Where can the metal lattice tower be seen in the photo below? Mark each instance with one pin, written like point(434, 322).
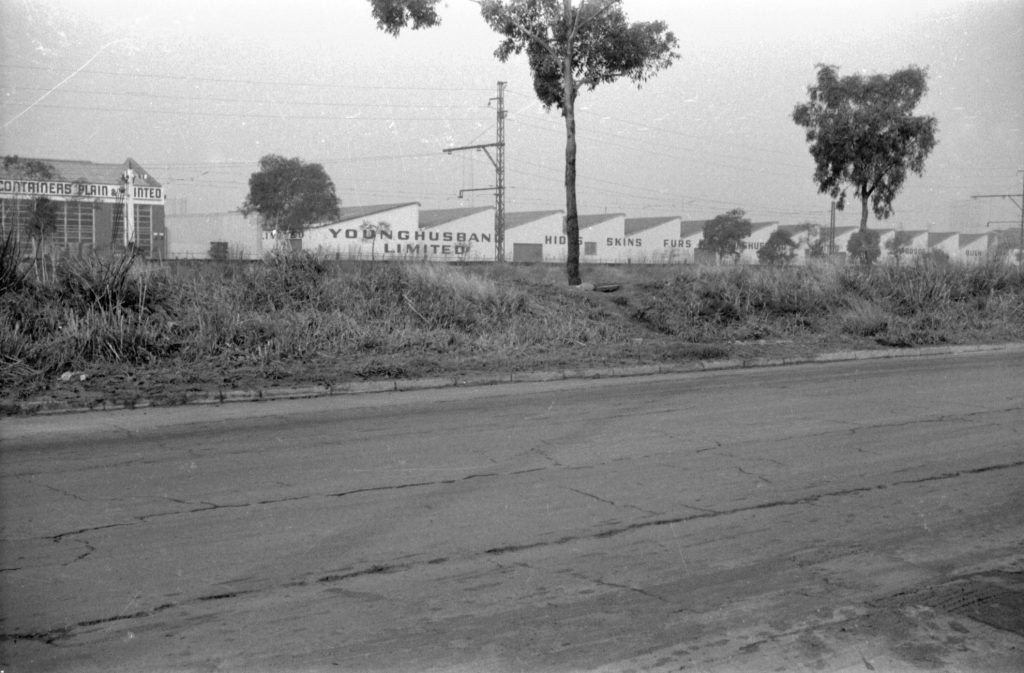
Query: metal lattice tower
point(498, 160)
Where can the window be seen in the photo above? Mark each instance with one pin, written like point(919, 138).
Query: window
point(14, 216)
point(144, 228)
point(76, 224)
point(590, 249)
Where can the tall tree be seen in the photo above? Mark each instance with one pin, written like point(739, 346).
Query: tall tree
point(724, 235)
point(863, 134)
point(570, 46)
point(290, 194)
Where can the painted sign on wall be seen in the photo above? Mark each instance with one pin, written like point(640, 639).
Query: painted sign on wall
point(78, 190)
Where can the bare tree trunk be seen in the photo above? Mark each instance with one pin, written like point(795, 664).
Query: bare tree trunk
point(863, 213)
point(572, 222)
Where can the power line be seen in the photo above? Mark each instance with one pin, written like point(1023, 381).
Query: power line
point(245, 115)
point(229, 80)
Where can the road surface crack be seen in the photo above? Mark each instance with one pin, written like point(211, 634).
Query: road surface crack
point(611, 502)
point(611, 532)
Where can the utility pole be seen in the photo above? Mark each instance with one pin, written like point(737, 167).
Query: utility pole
point(498, 160)
point(129, 207)
point(1020, 206)
point(832, 232)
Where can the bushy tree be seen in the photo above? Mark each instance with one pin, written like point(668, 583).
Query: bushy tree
point(290, 194)
point(863, 247)
point(724, 235)
point(897, 245)
point(863, 134)
point(780, 249)
point(570, 46)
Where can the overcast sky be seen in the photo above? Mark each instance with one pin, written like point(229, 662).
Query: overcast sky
point(198, 91)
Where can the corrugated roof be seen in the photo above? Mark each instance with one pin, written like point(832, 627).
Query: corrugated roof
point(967, 239)
point(797, 229)
point(937, 237)
point(635, 225)
point(433, 218)
point(518, 219)
point(87, 171)
point(689, 228)
point(356, 212)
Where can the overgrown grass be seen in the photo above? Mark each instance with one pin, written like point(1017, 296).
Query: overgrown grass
point(300, 318)
point(909, 305)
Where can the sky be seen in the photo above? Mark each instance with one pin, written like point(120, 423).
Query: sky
point(197, 92)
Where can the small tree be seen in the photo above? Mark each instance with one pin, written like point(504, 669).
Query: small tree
point(897, 245)
point(40, 214)
point(863, 134)
point(779, 250)
point(371, 230)
point(863, 247)
point(817, 241)
point(289, 195)
point(724, 235)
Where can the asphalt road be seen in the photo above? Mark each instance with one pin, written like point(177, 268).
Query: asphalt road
point(854, 516)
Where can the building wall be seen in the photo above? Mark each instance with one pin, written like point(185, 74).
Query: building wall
point(950, 245)
point(380, 235)
point(757, 239)
point(542, 231)
point(87, 225)
point(469, 238)
point(609, 243)
point(656, 244)
point(191, 236)
point(974, 250)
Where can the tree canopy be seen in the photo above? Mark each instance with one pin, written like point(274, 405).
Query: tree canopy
point(290, 194)
point(780, 249)
point(393, 15)
point(863, 246)
point(724, 235)
point(569, 46)
point(863, 134)
point(897, 245)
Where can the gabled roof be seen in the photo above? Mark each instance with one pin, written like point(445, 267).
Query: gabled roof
point(840, 231)
point(795, 230)
point(937, 237)
point(967, 239)
point(761, 226)
point(635, 225)
point(433, 218)
point(587, 221)
point(519, 219)
point(356, 212)
point(88, 171)
point(689, 228)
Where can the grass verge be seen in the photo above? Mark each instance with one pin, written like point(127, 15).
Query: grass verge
point(119, 329)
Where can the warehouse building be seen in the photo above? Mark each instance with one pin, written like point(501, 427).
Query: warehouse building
point(94, 207)
point(362, 232)
point(526, 233)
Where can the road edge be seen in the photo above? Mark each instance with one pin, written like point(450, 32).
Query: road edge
point(51, 407)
